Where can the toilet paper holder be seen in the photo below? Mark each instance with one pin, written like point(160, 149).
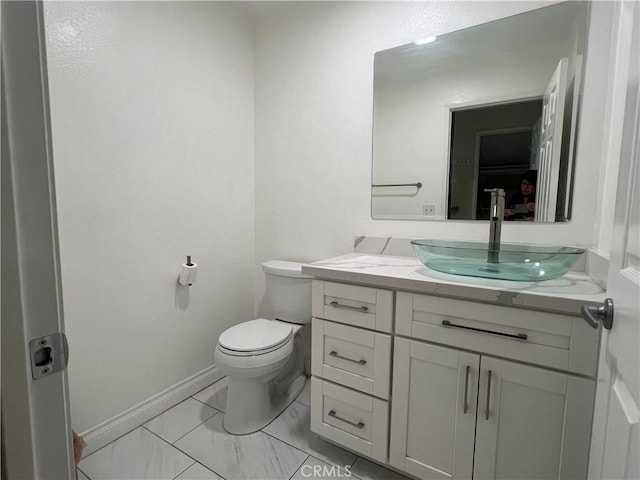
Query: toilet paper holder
point(188, 273)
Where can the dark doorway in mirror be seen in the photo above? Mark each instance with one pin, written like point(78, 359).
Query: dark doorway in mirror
point(492, 146)
point(504, 156)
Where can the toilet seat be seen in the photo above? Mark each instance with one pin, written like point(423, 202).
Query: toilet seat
point(255, 337)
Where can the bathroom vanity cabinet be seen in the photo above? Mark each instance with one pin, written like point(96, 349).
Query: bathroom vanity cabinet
point(463, 415)
point(504, 418)
point(442, 387)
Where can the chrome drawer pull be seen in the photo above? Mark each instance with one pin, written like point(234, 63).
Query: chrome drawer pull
point(486, 416)
point(332, 413)
point(519, 336)
point(466, 390)
point(337, 355)
point(349, 307)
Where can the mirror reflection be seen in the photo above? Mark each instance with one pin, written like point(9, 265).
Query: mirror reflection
point(491, 106)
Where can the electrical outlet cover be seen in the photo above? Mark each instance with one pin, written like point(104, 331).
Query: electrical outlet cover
point(429, 209)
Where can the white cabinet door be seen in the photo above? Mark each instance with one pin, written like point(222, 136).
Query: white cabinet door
point(433, 412)
point(532, 423)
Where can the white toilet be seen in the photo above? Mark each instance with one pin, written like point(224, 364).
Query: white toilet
point(263, 358)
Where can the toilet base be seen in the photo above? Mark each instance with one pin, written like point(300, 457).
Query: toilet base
point(256, 403)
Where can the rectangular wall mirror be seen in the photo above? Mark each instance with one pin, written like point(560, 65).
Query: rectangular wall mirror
point(494, 105)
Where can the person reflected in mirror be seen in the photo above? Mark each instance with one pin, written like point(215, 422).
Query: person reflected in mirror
point(522, 205)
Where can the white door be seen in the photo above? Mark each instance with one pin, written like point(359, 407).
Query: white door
point(433, 412)
point(615, 449)
point(550, 140)
point(36, 431)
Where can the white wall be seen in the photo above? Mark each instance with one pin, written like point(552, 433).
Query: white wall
point(153, 127)
point(314, 90)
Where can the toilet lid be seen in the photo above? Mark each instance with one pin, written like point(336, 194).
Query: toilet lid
point(255, 335)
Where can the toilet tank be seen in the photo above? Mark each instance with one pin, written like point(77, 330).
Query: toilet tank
point(288, 291)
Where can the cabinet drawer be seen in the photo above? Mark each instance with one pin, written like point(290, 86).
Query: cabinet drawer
point(365, 307)
point(352, 419)
point(552, 340)
point(357, 358)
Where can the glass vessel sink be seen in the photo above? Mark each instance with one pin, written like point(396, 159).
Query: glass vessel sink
point(519, 262)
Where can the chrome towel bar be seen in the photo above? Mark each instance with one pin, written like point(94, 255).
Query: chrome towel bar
point(417, 185)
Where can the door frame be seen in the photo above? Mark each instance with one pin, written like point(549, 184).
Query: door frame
point(449, 110)
point(36, 419)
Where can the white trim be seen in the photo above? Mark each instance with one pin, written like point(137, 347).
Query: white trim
point(495, 101)
point(115, 427)
point(35, 412)
point(626, 401)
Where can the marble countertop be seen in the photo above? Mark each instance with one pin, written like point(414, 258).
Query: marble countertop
point(561, 295)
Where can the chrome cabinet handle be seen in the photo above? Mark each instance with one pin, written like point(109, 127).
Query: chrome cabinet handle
point(603, 313)
point(486, 416)
point(518, 336)
point(337, 355)
point(349, 307)
point(466, 390)
point(360, 425)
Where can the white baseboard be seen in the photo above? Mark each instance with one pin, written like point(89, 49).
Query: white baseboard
point(109, 430)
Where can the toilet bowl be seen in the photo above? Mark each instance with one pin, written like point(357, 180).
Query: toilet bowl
point(263, 358)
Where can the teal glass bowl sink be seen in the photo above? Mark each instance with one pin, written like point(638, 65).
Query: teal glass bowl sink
point(517, 262)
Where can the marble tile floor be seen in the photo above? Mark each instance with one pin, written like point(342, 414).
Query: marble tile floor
point(187, 442)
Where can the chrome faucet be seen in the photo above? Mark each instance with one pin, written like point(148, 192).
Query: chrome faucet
point(496, 215)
